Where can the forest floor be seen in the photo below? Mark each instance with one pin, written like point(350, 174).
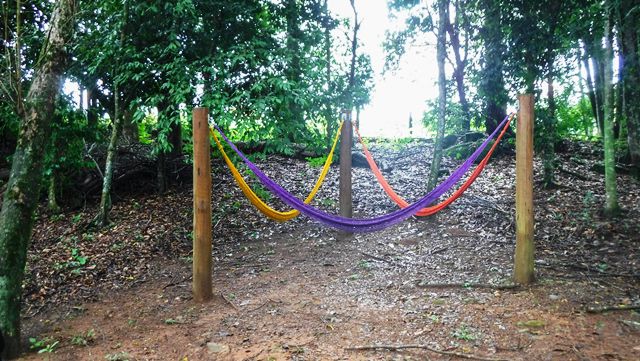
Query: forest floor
point(299, 291)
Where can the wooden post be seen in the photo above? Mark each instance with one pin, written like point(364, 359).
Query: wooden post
point(346, 207)
point(202, 238)
point(523, 271)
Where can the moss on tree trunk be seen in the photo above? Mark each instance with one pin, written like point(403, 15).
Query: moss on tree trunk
point(21, 197)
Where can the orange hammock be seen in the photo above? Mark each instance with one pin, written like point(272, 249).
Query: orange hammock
point(427, 211)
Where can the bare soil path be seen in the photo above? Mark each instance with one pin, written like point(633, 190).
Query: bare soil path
point(297, 291)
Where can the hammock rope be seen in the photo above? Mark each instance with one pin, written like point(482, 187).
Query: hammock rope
point(261, 205)
point(371, 224)
point(428, 211)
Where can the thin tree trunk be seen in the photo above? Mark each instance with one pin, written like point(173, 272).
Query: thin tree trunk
point(550, 132)
point(102, 219)
point(21, 197)
point(611, 191)
point(591, 91)
point(52, 200)
point(328, 115)
point(294, 69)
point(129, 127)
point(442, 94)
point(458, 74)
point(619, 96)
point(594, 52)
point(19, 100)
point(161, 170)
point(492, 88)
point(354, 55)
point(175, 138)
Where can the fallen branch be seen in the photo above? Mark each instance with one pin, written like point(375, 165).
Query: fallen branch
point(576, 174)
point(593, 271)
point(424, 347)
point(229, 302)
point(612, 308)
point(469, 285)
point(483, 202)
point(379, 258)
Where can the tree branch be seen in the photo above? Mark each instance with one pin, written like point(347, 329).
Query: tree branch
point(424, 347)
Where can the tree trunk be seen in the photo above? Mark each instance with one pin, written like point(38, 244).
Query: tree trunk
point(491, 87)
point(294, 69)
point(591, 91)
point(102, 219)
point(328, 108)
point(549, 155)
point(175, 138)
point(631, 81)
point(458, 73)
point(595, 53)
point(129, 127)
point(52, 200)
point(161, 173)
point(611, 191)
point(21, 197)
point(354, 56)
point(92, 109)
point(443, 5)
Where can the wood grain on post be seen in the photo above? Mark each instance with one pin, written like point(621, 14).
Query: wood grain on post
point(202, 237)
point(523, 271)
point(346, 206)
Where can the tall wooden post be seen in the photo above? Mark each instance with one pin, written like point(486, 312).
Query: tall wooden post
point(346, 207)
point(523, 271)
point(202, 238)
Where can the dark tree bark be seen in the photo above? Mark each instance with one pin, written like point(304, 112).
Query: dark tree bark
point(21, 197)
point(492, 86)
point(591, 90)
point(631, 78)
point(294, 70)
point(328, 108)
point(549, 124)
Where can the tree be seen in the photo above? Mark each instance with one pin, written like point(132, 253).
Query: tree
point(628, 24)
point(21, 197)
point(611, 192)
point(443, 19)
point(460, 53)
point(102, 218)
point(491, 83)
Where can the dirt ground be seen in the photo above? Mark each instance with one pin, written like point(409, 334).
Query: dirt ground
point(298, 291)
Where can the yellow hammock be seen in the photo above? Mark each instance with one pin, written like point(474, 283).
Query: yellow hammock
point(259, 203)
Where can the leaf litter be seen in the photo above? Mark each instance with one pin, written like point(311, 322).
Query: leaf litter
point(299, 291)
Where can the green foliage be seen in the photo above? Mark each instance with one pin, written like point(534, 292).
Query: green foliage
point(575, 121)
point(84, 339)
point(45, 345)
point(454, 115)
point(70, 132)
point(316, 162)
point(464, 333)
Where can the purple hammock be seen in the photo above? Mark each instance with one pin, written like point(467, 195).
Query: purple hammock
point(371, 224)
